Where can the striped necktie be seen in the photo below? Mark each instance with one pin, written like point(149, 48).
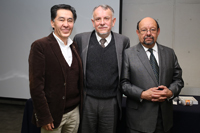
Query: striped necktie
point(154, 65)
point(102, 41)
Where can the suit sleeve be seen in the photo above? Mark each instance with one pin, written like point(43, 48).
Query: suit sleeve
point(127, 43)
point(129, 89)
point(37, 84)
point(74, 39)
point(177, 81)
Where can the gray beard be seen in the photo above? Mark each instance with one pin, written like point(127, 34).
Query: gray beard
point(150, 42)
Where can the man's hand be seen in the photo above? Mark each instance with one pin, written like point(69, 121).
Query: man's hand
point(147, 95)
point(49, 126)
point(157, 94)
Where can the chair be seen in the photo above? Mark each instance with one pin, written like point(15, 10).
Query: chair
point(27, 125)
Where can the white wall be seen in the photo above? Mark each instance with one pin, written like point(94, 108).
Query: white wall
point(179, 21)
point(24, 21)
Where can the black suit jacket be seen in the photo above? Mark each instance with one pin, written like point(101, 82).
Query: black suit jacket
point(138, 76)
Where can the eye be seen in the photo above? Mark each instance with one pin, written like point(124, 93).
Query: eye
point(106, 18)
point(97, 19)
point(70, 20)
point(143, 30)
point(153, 29)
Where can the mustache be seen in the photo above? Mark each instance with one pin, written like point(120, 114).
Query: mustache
point(150, 42)
point(103, 26)
point(148, 36)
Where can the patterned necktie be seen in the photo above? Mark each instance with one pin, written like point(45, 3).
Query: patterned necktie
point(102, 41)
point(154, 64)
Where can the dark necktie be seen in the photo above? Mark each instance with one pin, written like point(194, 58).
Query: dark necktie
point(102, 41)
point(154, 64)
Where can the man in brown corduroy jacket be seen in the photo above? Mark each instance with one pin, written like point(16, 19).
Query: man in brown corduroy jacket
point(56, 76)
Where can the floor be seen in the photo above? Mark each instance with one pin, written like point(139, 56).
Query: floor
point(11, 115)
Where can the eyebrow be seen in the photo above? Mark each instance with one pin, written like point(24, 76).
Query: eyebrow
point(64, 18)
point(147, 28)
point(103, 17)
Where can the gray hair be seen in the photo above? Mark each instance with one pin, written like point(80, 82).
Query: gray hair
point(105, 7)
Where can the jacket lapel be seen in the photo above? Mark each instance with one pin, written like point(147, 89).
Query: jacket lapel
point(74, 49)
point(145, 61)
point(57, 52)
point(161, 56)
point(85, 43)
point(118, 45)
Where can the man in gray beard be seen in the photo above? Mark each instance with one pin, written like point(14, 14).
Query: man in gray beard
point(151, 78)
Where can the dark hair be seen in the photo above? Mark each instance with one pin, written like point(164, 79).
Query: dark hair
point(55, 8)
point(140, 21)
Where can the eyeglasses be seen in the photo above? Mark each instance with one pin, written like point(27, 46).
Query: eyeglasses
point(152, 30)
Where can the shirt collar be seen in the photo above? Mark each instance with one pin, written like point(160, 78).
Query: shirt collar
point(61, 43)
point(108, 39)
point(155, 48)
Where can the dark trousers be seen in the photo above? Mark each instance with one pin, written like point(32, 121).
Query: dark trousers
point(99, 115)
point(128, 130)
point(159, 126)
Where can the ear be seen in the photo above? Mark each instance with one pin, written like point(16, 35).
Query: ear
point(52, 24)
point(113, 21)
point(138, 32)
point(93, 23)
point(158, 32)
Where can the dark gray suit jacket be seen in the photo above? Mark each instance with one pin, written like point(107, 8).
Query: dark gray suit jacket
point(121, 43)
point(138, 76)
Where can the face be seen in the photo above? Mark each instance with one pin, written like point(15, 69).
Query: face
point(148, 32)
point(63, 24)
point(103, 21)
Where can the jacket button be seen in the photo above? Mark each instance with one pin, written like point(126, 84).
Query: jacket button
point(64, 84)
point(63, 97)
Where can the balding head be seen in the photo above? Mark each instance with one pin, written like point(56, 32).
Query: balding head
point(148, 31)
point(147, 18)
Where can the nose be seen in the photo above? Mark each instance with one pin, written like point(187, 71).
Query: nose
point(102, 21)
point(148, 32)
point(65, 23)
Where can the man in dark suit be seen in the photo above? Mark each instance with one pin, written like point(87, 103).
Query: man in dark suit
point(102, 70)
point(150, 80)
point(56, 76)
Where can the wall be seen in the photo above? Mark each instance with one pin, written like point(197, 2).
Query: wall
point(24, 21)
point(179, 22)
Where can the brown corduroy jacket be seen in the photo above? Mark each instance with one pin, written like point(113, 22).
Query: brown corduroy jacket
point(47, 76)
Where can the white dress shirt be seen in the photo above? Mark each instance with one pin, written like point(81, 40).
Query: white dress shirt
point(108, 39)
point(65, 49)
point(155, 52)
